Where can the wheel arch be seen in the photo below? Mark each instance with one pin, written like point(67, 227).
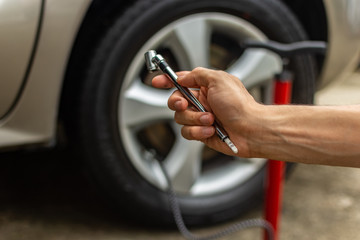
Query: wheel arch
point(97, 20)
point(312, 15)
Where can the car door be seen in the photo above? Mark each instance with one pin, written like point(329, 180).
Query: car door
point(19, 24)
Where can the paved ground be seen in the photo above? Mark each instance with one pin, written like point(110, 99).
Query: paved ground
point(41, 198)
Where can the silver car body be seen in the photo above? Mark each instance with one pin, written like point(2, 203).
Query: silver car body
point(36, 39)
point(29, 104)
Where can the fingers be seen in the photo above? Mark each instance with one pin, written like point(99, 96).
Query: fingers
point(177, 102)
point(189, 117)
point(197, 132)
point(197, 125)
point(162, 81)
point(199, 77)
point(186, 116)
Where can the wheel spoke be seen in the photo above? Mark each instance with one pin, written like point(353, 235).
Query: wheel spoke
point(184, 164)
point(255, 67)
point(142, 104)
point(190, 42)
point(229, 175)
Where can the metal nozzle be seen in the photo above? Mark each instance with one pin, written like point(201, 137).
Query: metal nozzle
point(149, 55)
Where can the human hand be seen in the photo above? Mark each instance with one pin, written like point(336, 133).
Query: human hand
point(225, 97)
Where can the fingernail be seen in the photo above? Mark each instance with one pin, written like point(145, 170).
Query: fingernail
point(205, 119)
point(178, 105)
point(207, 131)
point(179, 79)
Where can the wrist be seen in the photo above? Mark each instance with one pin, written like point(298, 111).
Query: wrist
point(263, 130)
point(252, 128)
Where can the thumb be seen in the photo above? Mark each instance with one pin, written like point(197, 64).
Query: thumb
point(199, 77)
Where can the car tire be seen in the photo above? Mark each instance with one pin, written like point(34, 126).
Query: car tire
point(100, 115)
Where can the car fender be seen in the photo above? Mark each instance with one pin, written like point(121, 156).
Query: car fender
point(33, 117)
point(343, 53)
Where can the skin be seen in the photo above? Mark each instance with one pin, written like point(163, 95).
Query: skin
point(327, 135)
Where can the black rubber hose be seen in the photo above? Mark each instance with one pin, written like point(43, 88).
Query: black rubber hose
point(290, 49)
point(175, 208)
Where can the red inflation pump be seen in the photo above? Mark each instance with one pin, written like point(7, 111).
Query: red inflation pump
point(276, 169)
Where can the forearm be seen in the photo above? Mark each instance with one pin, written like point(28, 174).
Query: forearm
point(309, 134)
